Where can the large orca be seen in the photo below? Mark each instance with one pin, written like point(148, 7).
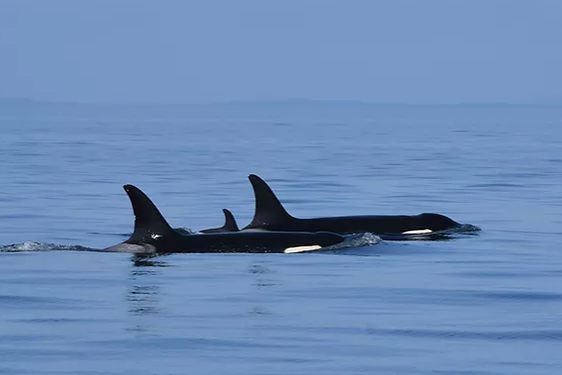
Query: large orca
point(230, 224)
point(153, 235)
point(271, 215)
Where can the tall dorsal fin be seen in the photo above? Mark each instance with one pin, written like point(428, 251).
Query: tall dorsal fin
point(268, 208)
point(148, 220)
point(229, 224)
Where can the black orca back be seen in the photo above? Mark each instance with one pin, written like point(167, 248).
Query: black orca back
point(271, 215)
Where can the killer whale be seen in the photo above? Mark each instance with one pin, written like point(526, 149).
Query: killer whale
point(271, 215)
point(153, 235)
point(230, 224)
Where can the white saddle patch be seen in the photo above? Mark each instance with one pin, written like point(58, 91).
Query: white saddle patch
point(301, 249)
point(418, 231)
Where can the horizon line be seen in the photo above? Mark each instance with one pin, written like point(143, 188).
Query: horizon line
point(278, 101)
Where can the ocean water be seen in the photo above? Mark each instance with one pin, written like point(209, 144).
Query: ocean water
point(489, 303)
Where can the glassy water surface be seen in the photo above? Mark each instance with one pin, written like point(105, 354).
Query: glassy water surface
point(484, 304)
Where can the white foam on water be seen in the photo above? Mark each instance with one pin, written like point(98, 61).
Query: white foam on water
point(38, 246)
point(183, 230)
point(356, 240)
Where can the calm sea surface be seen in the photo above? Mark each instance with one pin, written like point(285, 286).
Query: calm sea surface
point(489, 303)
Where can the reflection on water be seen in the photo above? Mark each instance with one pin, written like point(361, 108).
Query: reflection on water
point(264, 283)
point(148, 261)
point(144, 296)
point(144, 299)
point(262, 274)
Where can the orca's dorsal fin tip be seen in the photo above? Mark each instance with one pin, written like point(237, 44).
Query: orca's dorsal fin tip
point(254, 177)
point(132, 190)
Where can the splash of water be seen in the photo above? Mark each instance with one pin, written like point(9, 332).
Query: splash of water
point(356, 240)
point(39, 246)
point(182, 230)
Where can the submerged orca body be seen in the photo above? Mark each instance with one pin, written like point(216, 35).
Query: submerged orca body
point(230, 224)
point(153, 235)
point(271, 215)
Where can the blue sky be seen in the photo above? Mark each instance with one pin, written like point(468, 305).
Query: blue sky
point(127, 51)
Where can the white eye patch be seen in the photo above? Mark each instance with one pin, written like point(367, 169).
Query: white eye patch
point(301, 249)
point(418, 231)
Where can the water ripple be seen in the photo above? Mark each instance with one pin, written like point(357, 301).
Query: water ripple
point(548, 335)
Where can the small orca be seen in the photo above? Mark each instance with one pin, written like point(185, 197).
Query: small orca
point(230, 224)
point(271, 215)
point(153, 235)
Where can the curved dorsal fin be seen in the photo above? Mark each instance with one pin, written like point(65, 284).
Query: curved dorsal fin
point(230, 224)
point(148, 220)
point(269, 209)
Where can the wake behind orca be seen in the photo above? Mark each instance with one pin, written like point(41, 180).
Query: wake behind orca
point(271, 215)
point(153, 235)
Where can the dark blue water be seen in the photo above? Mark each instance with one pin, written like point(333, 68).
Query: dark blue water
point(482, 304)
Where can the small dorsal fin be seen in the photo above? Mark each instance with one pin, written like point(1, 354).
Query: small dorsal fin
point(148, 220)
point(269, 209)
point(230, 224)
